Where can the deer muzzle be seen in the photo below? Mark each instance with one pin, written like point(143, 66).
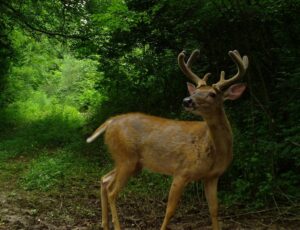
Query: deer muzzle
point(188, 103)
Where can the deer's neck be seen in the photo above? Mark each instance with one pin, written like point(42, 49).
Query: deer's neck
point(220, 132)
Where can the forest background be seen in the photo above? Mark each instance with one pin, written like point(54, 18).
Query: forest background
point(68, 65)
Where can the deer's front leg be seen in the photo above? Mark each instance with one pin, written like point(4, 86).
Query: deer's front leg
point(176, 190)
point(211, 187)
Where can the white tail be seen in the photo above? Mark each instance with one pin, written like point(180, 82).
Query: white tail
point(98, 131)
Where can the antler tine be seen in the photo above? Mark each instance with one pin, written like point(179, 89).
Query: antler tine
point(195, 54)
point(241, 64)
point(186, 68)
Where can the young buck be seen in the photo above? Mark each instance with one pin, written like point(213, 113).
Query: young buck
point(186, 150)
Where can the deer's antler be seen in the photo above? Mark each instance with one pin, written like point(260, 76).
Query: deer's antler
point(241, 64)
point(186, 68)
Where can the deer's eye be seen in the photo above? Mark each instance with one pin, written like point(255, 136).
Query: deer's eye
point(211, 94)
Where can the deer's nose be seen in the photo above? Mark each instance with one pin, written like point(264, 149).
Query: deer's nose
point(187, 102)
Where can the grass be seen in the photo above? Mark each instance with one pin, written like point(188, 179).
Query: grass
point(57, 169)
point(50, 169)
point(60, 186)
point(61, 169)
point(49, 187)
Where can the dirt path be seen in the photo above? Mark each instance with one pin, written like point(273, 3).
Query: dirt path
point(30, 211)
point(77, 207)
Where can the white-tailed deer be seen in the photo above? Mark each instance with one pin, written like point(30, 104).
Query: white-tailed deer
point(186, 150)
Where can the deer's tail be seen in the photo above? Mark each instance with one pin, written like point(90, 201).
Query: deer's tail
point(98, 131)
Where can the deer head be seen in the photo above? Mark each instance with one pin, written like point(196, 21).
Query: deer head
point(205, 100)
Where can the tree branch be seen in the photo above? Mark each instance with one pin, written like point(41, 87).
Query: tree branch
point(23, 21)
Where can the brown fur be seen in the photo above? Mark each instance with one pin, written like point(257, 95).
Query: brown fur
point(166, 146)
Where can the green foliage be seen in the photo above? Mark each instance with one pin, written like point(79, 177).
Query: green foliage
point(113, 15)
point(46, 172)
point(10, 148)
point(265, 120)
point(55, 171)
point(53, 95)
point(49, 92)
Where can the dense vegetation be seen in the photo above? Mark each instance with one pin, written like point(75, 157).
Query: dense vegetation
point(66, 66)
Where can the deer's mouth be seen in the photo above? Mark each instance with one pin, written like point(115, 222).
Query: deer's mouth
point(189, 108)
point(196, 106)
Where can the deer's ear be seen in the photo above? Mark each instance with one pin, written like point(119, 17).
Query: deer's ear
point(191, 88)
point(234, 91)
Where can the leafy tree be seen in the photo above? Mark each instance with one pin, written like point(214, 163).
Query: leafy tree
point(48, 90)
point(111, 57)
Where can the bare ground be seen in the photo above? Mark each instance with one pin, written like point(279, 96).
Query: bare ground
point(78, 208)
point(28, 210)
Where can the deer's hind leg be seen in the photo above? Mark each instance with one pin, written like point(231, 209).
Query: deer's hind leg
point(106, 181)
point(122, 174)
